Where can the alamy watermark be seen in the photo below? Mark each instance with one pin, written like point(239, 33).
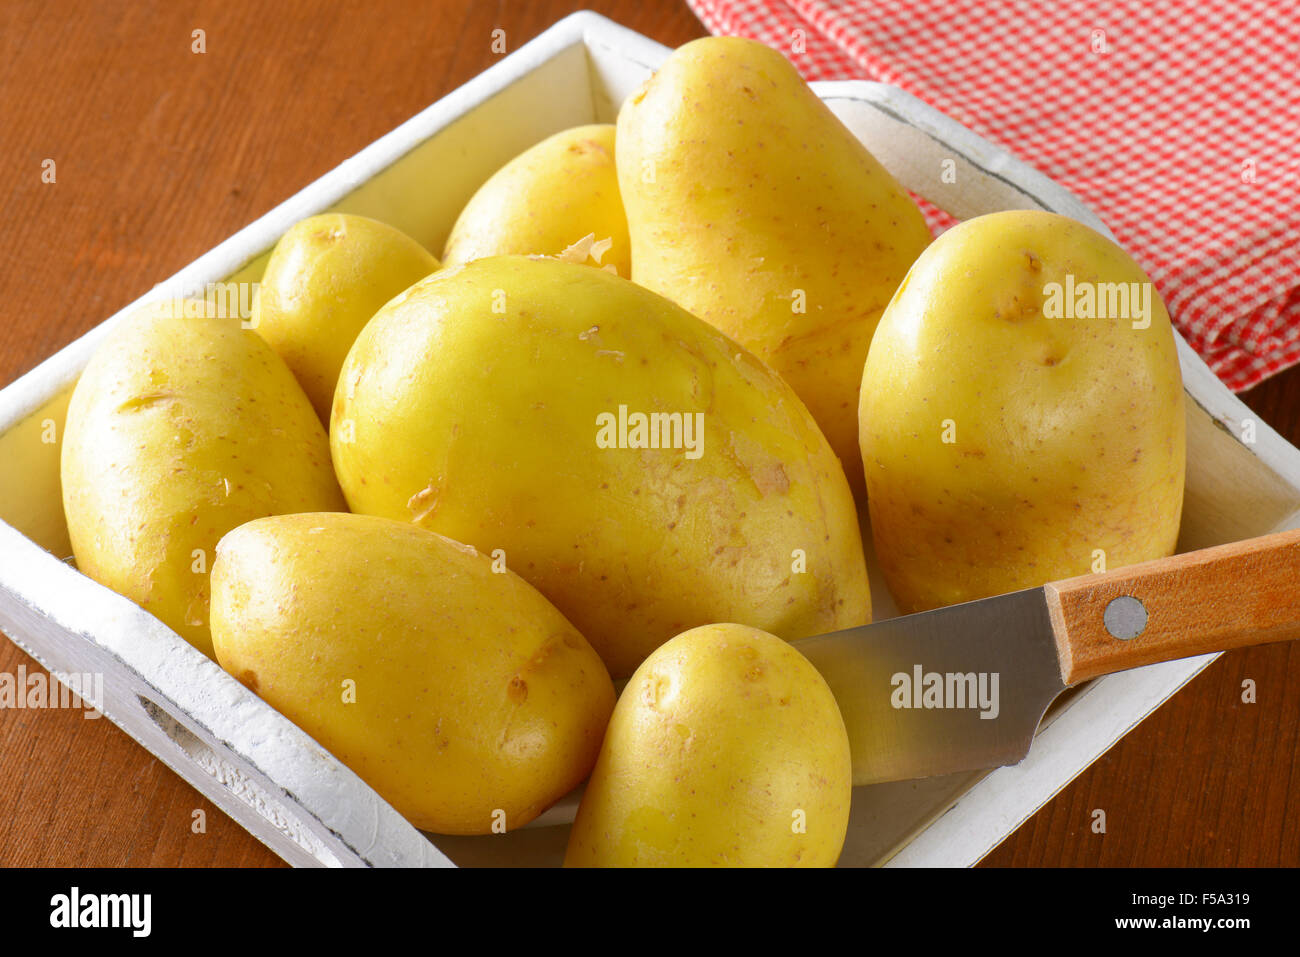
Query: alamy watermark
point(133, 912)
point(214, 300)
point(651, 430)
point(946, 690)
point(1098, 300)
point(56, 690)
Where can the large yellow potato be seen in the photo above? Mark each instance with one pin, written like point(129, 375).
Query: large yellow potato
point(457, 692)
point(180, 429)
point(494, 403)
point(750, 204)
point(326, 277)
point(547, 199)
point(1005, 447)
point(726, 749)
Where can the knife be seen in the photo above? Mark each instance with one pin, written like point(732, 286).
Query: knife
point(964, 687)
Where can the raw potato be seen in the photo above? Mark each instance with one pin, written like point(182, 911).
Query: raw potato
point(546, 199)
point(458, 693)
point(751, 205)
point(726, 749)
point(473, 405)
point(180, 429)
point(1004, 449)
point(326, 277)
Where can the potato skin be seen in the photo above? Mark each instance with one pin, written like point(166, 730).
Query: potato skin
point(1070, 432)
point(482, 425)
point(179, 430)
point(766, 217)
point(326, 277)
point(718, 740)
point(472, 694)
point(545, 200)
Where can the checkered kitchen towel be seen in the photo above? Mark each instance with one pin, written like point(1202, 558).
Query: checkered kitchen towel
point(1177, 122)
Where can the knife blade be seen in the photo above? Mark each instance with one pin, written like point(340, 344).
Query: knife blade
point(964, 687)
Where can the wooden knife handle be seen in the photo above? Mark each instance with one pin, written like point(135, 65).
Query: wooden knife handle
point(1229, 596)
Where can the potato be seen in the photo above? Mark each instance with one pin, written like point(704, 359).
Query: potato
point(179, 430)
point(752, 206)
point(726, 749)
point(497, 404)
point(326, 277)
point(1005, 447)
point(546, 199)
point(459, 694)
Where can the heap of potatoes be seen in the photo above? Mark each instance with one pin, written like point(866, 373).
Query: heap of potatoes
point(420, 508)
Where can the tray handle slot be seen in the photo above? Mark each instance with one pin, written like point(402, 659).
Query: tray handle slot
point(238, 784)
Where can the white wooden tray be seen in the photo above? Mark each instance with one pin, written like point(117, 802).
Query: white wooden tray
point(306, 806)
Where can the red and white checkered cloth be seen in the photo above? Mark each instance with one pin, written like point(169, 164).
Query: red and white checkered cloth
point(1176, 122)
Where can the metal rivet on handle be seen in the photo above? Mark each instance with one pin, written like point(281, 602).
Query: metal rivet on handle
point(1125, 617)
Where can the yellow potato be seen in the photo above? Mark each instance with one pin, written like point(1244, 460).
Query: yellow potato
point(546, 199)
point(726, 749)
point(326, 277)
point(458, 693)
point(1005, 447)
point(751, 205)
point(180, 429)
point(496, 403)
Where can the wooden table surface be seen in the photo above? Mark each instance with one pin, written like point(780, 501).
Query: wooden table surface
point(162, 152)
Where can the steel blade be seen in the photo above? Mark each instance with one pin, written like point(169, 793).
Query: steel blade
point(999, 651)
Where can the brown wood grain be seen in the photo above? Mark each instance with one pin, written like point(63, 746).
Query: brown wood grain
point(161, 153)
